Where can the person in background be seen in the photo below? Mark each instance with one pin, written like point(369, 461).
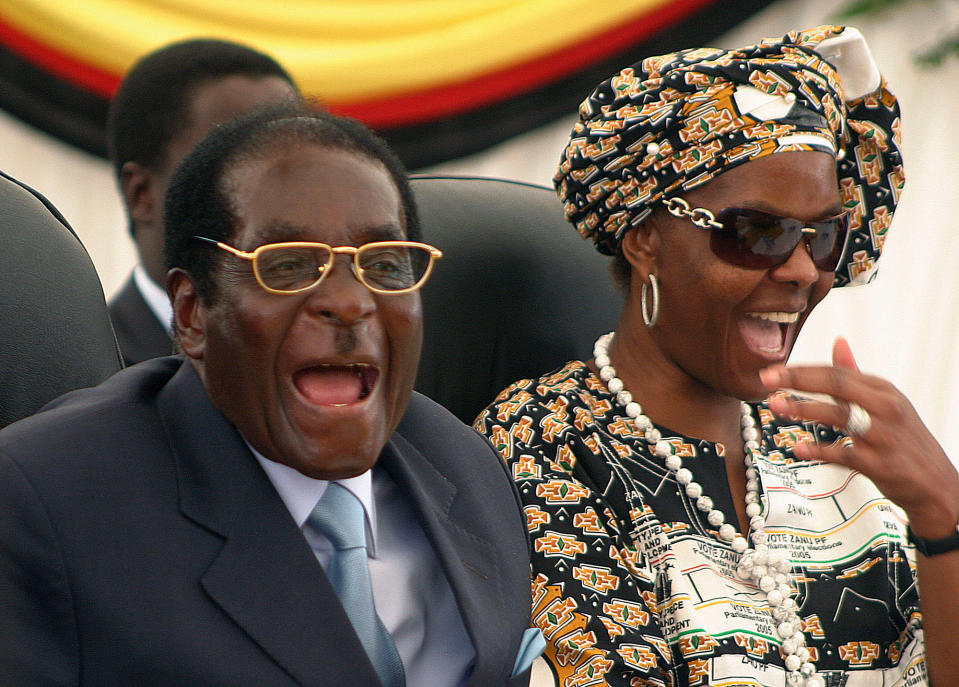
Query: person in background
point(275, 507)
point(167, 102)
point(700, 513)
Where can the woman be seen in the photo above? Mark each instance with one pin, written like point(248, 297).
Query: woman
point(685, 531)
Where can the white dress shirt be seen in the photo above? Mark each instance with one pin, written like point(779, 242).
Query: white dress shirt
point(412, 595)
point(155, 297)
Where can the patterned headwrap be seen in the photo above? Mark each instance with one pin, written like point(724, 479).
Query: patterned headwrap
point(671, 123)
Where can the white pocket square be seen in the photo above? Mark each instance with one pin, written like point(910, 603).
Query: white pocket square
point(530, 648)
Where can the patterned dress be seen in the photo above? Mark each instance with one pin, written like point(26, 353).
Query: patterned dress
point(632, 586)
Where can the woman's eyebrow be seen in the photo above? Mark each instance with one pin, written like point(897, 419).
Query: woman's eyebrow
point(765, 206)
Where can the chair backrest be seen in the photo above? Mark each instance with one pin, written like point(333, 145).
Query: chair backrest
point(55, 334)
point(517, 294)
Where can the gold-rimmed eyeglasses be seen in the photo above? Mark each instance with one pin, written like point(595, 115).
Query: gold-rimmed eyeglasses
point(385, 267)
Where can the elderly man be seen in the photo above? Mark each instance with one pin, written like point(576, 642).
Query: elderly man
point(167, 102)
point(185, 523)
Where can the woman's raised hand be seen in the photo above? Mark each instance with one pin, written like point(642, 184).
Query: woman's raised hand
point(892, 447)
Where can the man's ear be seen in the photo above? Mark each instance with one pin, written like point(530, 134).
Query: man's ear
point(641, 246)
point(189, 314)
point(138, 185)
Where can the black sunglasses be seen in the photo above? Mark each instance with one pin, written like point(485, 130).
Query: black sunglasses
point(760, 240)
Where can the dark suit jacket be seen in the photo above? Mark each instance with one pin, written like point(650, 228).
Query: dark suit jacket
point(142, 544)
point(140, 334)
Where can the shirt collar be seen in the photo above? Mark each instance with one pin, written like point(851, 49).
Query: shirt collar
point(301, 493)
point(155, 297)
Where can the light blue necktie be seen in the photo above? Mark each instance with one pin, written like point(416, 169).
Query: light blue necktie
point(339, 515)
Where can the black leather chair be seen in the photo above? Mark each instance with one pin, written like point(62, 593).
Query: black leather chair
point(517, 294)
point(55, 334)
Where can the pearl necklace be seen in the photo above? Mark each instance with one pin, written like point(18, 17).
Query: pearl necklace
point(766, 568)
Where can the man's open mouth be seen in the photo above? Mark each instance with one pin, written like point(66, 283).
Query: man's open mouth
point(336, 385)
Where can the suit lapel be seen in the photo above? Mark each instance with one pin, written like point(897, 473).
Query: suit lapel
point(468, 560)
point(265, 576)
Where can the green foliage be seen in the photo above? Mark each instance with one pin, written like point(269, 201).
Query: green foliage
point(931, 56)
point(939, 52)
point(858, 8)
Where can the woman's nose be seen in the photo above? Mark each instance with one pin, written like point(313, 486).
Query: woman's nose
point(799, 268)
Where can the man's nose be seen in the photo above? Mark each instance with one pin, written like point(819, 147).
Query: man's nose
point(341, 296)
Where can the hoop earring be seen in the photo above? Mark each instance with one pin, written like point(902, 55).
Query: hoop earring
point(649, 318)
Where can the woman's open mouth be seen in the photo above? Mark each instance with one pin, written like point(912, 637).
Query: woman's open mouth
point(765, 333)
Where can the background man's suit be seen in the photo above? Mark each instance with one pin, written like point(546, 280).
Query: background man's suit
point(140, 334)
point(142, 544)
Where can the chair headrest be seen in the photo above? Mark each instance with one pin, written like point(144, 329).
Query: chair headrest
point(517, 293)
point(55, 333)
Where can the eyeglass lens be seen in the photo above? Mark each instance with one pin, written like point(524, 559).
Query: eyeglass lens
point(760, 240)
point(383, 267)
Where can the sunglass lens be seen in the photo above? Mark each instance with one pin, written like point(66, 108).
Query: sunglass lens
point(760, 240)
point(754, 239)
point(292, 269)
point(829, 243)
